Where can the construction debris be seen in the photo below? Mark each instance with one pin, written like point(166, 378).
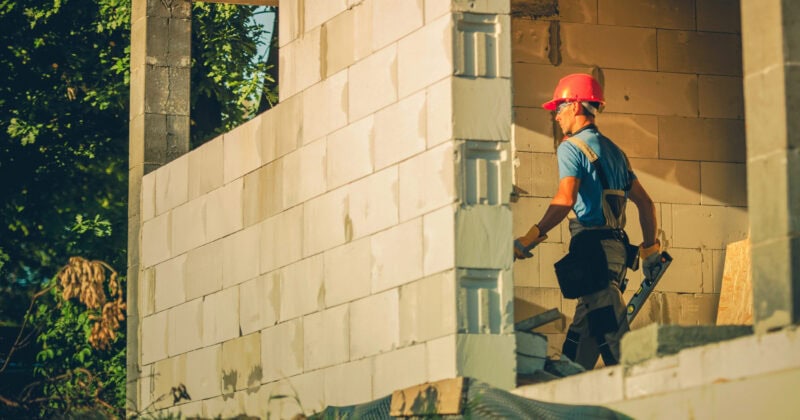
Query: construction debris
point(531, 352)
point(538, 320)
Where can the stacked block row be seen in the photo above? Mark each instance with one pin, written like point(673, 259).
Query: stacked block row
point(312, 251)
point(672, 77)
point(710, 380)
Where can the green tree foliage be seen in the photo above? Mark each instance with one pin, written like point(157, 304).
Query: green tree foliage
point(64, 91)
point(64, 69)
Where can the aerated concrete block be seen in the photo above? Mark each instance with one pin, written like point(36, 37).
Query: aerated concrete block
point(189, 225)
point(374, 324)
point(169, 283)
point(397, 255)
point(472, 98)
point(281, 239)
point(721, 97)
point(427, 308)
point(204, 373)
point(440, 112)
point(425, 56)
point(317, 12)
point(400, 130)
point(700, 52)
point(638, 135)
point(224, 210)
point(660, 340)
point(185, 327)
point(399, 369)
point(241, 152)
point(156, 244)
point(670, 14)
point(376, 84)
point(259, 302)
point(441, 354)
point(348, 272)
point(349, 383)
point(240, 253)
point(325, 223)
point(204, 270)
point(483, 237)
point(393, 19)
point(206, 168)
point(303, 173)
point(282, 350)
point(374, 202)
point(481, 6)
point(301, 288)
point(349, 152)
point(326, 338)
point(488, 358)
point(427, 181)
point(619, 47)
point(220, 316)
point(438, 231)
point(325, 107)
point(154, 338)
point(241, 363)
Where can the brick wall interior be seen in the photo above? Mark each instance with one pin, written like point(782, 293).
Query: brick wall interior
point(310, 251)
point(672, 75)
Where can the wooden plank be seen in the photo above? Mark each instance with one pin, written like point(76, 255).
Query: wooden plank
point(736, 294)
point(443, 397)
point(246, 2)
point(538, 320)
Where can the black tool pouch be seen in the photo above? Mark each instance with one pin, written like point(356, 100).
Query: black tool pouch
point(584, 270)
point(632, 256)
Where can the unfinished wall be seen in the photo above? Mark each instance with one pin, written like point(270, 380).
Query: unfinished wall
point(672, 75)
point(351, 241)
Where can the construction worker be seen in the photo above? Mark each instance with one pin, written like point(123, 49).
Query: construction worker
point(595, 181)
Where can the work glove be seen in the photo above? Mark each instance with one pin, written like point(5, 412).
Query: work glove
point(524, 244)
point(651, 259)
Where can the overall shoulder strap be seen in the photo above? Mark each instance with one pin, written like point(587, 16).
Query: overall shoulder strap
point(592, 156)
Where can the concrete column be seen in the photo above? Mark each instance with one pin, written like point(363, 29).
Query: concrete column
point(482, 138)
point(159, 126)
point(771, 53)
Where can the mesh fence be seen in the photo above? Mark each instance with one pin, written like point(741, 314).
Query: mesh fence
point(483, 402)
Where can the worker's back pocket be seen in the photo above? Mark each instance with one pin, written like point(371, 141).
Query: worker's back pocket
point(584, 270)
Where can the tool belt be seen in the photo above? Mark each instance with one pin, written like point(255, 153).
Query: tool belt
point(584, 269)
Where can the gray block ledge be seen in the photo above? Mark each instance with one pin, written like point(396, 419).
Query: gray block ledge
point(662, 340)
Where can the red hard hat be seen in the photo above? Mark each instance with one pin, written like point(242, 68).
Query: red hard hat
point(578, 87)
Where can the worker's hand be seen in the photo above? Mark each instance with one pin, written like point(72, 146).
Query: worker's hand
point(651, 257)
point(524, 244)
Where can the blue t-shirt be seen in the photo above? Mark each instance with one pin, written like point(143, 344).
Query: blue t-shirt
point(572, 162)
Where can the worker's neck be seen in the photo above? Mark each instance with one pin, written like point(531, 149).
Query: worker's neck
point(581, 122)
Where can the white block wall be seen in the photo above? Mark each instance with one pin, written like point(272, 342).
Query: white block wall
point(325, 248)
point(672, 76)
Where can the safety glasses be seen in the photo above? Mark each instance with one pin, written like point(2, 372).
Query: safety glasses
point(562, 106)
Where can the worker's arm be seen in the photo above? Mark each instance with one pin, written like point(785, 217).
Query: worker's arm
point(561, 205)
point(647, 213)
point(559, 209)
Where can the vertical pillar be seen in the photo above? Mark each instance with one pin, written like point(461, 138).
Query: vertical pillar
point(771, 53)
point(483, 237)
point(159, 127)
